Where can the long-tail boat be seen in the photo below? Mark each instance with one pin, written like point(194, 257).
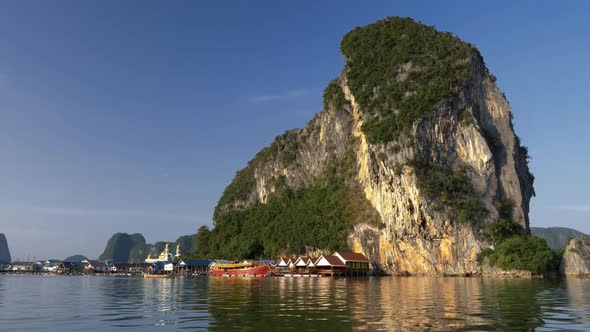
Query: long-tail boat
point(240, 269)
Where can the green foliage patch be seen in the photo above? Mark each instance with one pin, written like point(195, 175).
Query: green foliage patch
point(333, 95)
point(516, 250)
point(285, 147)
point(574, 250)
point(449, 189)
point(529, 253)
point(466, 118)
point(399, 70)
point(500, 230)
point(319, 216)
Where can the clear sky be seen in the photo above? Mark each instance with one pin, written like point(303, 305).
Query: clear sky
point(133, 116)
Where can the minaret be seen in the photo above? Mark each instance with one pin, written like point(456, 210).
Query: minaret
point(177, 250)
point(167, 252)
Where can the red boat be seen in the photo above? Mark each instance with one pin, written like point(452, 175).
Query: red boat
point(239, 269)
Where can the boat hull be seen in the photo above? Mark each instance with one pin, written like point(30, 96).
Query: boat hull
point(249, 271)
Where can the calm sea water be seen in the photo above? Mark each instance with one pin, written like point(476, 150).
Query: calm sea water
point(71, 303)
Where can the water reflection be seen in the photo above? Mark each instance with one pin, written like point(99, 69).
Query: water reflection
point(306, 304)
point(2, 291)
point(309, 304)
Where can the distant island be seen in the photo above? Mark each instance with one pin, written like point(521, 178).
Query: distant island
point(4, 251)
point(556, 237)
point(132, 248)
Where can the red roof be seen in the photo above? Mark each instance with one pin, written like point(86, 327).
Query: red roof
point(333, 260)
point(350, 256)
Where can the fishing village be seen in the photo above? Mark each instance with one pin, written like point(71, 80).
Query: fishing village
point(169, 265)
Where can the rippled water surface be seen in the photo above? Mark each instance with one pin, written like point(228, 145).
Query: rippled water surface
point(30, 302)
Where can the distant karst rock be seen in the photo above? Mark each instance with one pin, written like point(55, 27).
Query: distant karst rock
point(4, 251)
point(123, 247)
point(576, 258)
point(132, 248)
point(76, 258)
point(556, 237)
point(187, 243)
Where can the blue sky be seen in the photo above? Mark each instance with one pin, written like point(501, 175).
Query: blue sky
point(133, 116)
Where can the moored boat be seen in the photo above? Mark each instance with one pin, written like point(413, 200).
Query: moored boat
point(239, 269)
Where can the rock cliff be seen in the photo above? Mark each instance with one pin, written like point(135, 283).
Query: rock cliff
point(4, 251)
point(576, 258)
point(426, 139)
point(132, 248)
point(556, 237)
point(123, 248)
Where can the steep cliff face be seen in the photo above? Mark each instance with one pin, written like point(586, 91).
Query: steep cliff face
point(4, 251)
point(419, 237)
point(576, 258)
point(430, 140)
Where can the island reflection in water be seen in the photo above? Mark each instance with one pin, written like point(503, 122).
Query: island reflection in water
point(30, 302)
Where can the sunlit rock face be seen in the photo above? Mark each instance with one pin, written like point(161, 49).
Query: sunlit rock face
point(576, 258)
point(418, 239)
point(471, 130)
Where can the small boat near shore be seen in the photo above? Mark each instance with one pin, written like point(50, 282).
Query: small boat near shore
point(240, 269)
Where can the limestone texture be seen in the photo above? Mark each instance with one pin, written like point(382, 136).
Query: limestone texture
point(576, 258)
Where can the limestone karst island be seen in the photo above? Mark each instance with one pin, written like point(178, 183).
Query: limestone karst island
point(413, 165)
point(405, 201)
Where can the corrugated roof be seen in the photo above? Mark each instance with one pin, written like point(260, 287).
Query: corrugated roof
point(350, 256)
point(333, 260)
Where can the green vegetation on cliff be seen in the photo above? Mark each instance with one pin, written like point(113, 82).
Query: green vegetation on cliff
point(242, 186)
point(187, 243)
point(449, 190)
point(514, 249)
point(333, 95)
point(399, 70)
point(203, 243)
point(320, 216)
